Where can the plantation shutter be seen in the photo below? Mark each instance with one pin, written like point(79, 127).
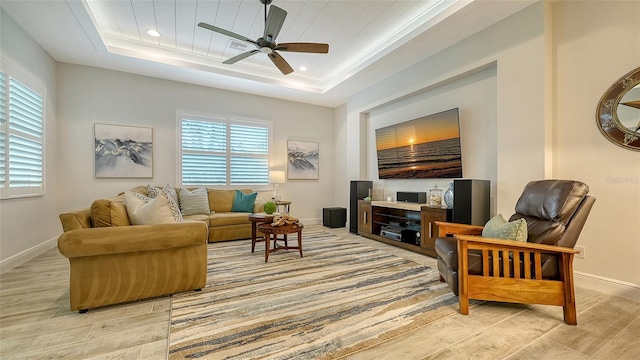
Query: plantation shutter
point(21, 139)
point(249, 155)
point(223, 152)
point(3, 124)
point(204, 149)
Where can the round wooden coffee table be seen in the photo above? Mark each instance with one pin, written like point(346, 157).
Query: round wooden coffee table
point(255, 220)
point(273, 232)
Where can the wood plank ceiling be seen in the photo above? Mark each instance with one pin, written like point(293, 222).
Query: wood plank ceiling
point(356, 30)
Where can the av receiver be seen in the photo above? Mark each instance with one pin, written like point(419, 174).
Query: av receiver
point(391, 232)
point(412, 197)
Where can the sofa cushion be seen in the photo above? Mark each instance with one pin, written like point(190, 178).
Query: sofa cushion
point(143, 210)
point(222, 200)
point(194, 202)
point(107, 213)
point(229, 218)
point(243, 202)
point(498, 228)
point(198, 217)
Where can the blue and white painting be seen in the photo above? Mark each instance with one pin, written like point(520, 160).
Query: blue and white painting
point(303, 160)
point(123, 151)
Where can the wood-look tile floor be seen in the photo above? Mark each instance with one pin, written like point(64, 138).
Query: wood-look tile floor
point(35, 323)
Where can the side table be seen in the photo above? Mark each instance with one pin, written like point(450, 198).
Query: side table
point(286, 206)
point(255, 220)
point(273, 231)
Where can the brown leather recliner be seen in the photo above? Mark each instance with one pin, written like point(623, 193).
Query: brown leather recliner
point(510, 271)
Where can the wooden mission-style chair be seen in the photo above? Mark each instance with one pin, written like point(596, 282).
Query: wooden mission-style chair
point(539, 271)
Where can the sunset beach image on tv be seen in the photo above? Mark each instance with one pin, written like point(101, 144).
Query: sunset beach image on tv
point(426, 147)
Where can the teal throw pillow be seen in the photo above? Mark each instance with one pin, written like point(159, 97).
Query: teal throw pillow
point(499, 228)
point(243, 202)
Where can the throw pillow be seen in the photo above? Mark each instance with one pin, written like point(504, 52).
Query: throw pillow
point(171, 194)
point(108, 213)
point(194, 202)
point(499, 228)
point(143, 210)
point(243, 202)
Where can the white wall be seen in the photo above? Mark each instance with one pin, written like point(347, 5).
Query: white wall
point(90, 95)
point(27, 223)
point(518, 93)
point(475, 97)
point(553, 61)
point(596, 43)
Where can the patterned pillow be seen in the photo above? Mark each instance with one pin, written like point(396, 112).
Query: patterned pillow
point(194, 202)
point(171, 192)
point(143, 210)
point(499, 228)
point(243, 202)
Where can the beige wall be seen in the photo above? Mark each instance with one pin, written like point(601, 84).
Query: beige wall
point(90, 95)
point(30, 224)
point(553, 61)
point(596, 43)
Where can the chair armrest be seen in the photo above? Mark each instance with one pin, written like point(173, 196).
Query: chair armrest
point(496, 253)
point(479, 243)
point(449, 228)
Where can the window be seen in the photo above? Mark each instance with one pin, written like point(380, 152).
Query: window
point(223, 151)
point(21, 138)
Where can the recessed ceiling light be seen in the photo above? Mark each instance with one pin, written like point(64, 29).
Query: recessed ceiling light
point(153, 33)
point(303, 68)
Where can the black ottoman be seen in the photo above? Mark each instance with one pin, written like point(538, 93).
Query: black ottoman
point(334, 217)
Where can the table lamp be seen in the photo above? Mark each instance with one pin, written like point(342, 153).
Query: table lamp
point(276, 177)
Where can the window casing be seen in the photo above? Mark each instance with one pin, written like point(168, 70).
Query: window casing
point(222, 151)
point(21, 136)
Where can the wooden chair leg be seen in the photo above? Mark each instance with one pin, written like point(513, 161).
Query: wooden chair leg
point(463, 271)
point(569, 307)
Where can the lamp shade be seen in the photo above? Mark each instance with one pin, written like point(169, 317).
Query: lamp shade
point(276, 177)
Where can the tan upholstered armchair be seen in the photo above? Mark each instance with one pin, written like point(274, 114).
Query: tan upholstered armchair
point(539, 271)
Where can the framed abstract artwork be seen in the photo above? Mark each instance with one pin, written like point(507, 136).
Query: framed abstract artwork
point(303, 160)
point(123, 151)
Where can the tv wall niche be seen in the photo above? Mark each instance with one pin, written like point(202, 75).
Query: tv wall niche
point(424, 148)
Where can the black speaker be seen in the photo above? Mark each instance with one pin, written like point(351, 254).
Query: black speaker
point(471, 201)
point(359, 191)
point(334, 217)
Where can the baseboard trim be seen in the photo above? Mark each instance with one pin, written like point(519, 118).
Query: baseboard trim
point(26, 255)
point(311, 221)
point(607, 285)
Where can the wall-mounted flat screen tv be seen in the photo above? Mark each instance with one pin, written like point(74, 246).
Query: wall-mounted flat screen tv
point(422, 148)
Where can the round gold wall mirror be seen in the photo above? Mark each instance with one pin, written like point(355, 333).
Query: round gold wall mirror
point(618, 113)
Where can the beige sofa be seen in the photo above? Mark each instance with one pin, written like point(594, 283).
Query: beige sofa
point(113, 261)
point(111, 265)
point(223, 224)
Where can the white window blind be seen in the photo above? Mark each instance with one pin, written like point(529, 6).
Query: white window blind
point(219, 151)
point(3, 126)
point(21, 139)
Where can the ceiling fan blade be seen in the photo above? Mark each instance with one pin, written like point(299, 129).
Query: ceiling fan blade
point(281, 63)
point(304, 47)
point(239, 57)
point(275, 19)
point(226, 32)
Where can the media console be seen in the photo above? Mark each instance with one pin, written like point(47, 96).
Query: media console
point(409, 226)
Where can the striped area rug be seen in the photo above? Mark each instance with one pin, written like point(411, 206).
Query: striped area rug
point(339, 298)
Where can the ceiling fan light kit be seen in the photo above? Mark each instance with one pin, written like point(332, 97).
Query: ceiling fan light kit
point(267, 43)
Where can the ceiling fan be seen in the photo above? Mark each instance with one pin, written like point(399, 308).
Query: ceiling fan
point(267, 43)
